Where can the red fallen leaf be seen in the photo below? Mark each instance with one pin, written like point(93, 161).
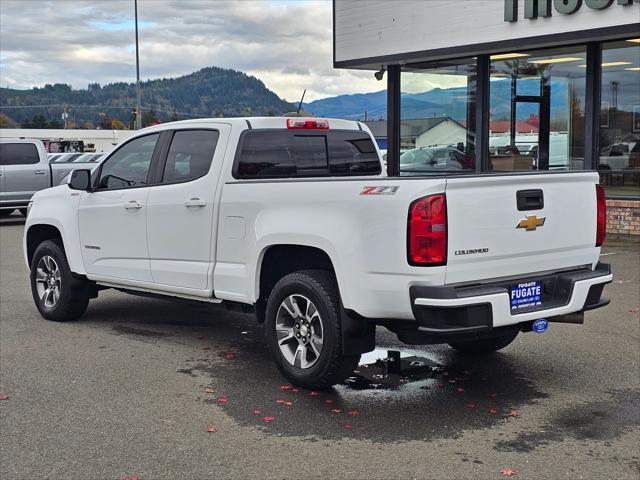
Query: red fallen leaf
point(229, 356)
point(212, 429)
point(257, 411)
point(4, 397)
point(206, 348)
point(336, 410)
point(492, 410)
point(633, 310)
point(279, 401)
point(513, 413)
point(313, 393)
point(201, 337)
point(328, 402)
point(133, 478)
point(348, 426)
point(223, 400)
point(508, 472)
point(269, 419)
point(460, 389)
point(353, 413)
point(209, 390)
point(471, 405)
point(284, 387)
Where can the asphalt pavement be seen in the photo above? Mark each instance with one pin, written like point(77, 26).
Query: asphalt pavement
point(132, 388)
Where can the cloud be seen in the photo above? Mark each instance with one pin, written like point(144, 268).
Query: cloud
point(286, 44)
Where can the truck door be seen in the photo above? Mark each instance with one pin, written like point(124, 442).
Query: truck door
point(23, 172)
point(182, 208)
point(113, 217)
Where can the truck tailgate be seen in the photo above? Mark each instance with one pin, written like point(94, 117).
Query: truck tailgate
point(489, 237)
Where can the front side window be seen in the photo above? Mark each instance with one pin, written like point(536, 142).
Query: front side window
point(18, 154)
point(437, 118)
point(129, 165)
point(619, 156)
point(282, 154)
point(190, 155)
point(537, 110)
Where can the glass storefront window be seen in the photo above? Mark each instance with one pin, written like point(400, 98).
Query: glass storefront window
point(619, 159)
point(536, 111)
point(437, 118)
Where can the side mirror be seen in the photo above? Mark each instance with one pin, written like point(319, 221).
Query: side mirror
point(80, 180)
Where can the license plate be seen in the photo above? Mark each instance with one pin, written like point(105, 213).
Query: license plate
point(528, 294)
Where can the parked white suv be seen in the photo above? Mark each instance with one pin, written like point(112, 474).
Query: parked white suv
point(293, 218)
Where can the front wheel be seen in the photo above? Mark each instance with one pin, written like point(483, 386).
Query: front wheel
point(303, 330)
point(485, 346)
point(57, 294)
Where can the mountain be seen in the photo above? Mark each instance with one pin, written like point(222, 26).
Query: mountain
point(441, 101)
point(210, 92)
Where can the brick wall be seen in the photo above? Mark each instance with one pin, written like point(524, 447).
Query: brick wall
point(623, 217)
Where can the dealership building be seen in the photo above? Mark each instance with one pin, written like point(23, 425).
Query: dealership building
point(525, 85)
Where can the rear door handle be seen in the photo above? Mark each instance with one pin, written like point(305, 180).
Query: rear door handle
point(529, 200)
point(195, 202)
point(132, 205)
point(39, 172)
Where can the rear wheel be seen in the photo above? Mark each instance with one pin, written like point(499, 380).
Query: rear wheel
point(57, 294)
point(303, 330)
point(485, 346)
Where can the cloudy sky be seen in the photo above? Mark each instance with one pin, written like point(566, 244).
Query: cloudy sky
point(285, 43)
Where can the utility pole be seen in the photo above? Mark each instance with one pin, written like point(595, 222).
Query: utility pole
point(138, 106)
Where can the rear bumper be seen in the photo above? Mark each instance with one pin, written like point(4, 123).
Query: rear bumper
point(453, 310)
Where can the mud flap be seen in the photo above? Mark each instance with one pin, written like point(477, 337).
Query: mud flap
point(358, 334)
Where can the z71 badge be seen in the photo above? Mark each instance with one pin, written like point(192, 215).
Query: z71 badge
point(380, 190)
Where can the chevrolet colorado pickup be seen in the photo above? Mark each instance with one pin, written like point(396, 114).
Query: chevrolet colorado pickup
point(293, 219)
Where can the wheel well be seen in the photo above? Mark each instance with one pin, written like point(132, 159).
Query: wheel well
point(38, 234)
point(280, 260)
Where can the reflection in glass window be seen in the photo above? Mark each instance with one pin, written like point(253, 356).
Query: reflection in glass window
point(537, 105)
point(437, 117)
point(619, 140)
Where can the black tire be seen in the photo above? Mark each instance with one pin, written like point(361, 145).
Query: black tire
point(331, 366)
point(73, 298)
point(5, 213)
point(23, 211)
point(485, 346)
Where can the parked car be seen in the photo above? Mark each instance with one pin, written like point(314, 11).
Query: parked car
point(433, 159)
point(292, 218)
point(25, 168)
point(66, 157)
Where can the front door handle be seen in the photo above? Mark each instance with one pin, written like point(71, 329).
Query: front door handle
point(195, 202)
point(132, 205)
point(39, 172)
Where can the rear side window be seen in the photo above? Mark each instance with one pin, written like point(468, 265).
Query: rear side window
point(282, 154)
point(190, 155)
point(18, 154)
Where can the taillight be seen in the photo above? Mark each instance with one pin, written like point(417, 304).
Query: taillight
point(601, 230)
point(427, 231)
point(300, 124)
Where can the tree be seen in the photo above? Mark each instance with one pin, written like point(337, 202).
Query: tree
point(149, 118)
point(7, 122)
point(38, 121)
point(118, 125)
point(55, 124)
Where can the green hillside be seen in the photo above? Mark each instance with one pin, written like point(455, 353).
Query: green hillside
point(210, 92)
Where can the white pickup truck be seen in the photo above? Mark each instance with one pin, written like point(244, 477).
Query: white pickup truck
point(293, 218)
